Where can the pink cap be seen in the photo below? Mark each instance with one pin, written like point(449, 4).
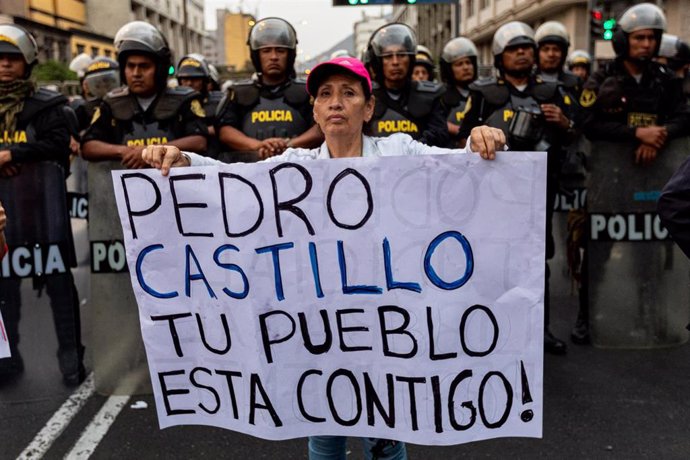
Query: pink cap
point(339, 65)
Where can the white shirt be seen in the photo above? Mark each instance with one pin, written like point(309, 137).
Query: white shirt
point(395, 144)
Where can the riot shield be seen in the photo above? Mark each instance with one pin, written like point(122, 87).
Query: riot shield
point(119, 358)
point(41, 252)
point(638, 291)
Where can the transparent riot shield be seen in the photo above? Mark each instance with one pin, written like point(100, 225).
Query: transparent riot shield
point(119, 358)
point(638, 278)
point(39, 261)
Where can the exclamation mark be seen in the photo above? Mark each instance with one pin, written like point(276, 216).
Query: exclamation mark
point(526, 415)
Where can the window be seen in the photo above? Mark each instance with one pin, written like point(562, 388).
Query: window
point(80, 48)
point(94, 51)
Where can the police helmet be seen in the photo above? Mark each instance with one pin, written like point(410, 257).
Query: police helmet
point(425, 58)
point(102, 76)
point(273, 33)
point(214, 76)
point(17, 40)
point(675, 50)
point(579, 57)
point(193, 66)
point(397, 35)
point(455, 49)
point(79, 64)
point(511, 34)
point(553, 32)
point(139, 37)
point(638, 17)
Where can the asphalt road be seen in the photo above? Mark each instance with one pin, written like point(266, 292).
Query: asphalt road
point(598, 403)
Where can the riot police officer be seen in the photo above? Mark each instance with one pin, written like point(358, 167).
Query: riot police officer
point(553, 42)
point(638, 104)
point(634, 98)
point(675, 54)
point(101, 76)
point(34, 129)
point(458, 70)
point(579, 62)
point(195, 72)
point(145, 111)
point(403, 105)
point(531, 112)
point(424, 67)
point(272, 112)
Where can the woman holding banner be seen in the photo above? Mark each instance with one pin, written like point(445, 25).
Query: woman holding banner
point(343, 105)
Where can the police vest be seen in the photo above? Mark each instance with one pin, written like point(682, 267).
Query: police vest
point(25, 131)
point(410, 116)
point(456, 104)
point(268, 115)
point(211, 104)
point(136, 130)
point(497, 96)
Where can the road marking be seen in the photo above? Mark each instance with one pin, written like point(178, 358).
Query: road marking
point(59, 421)
point(97, 429)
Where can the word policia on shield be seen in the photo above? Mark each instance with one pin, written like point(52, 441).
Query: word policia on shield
point(397, 297)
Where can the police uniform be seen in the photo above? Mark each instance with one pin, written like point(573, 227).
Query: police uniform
point(261, 111)
point(456, 104)
point(416, 111)
point(615, 104)
point(42, 134)
point(210, 104)
point(119, 119)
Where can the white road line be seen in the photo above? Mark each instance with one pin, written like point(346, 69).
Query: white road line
point(97, 429)
point(59, 421)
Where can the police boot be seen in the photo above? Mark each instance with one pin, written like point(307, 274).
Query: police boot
point(71, 365)
point(553, 344)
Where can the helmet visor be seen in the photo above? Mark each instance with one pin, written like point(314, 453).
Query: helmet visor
point(272, 33)
point(394, 39)
point(101, 83)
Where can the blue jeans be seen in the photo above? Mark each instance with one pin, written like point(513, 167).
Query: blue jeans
point(333, 448)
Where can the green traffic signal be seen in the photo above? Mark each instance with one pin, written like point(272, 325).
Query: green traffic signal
point(171, 70)
point(608, 34)
point(609, 24)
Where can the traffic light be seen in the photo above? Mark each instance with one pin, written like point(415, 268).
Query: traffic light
point(609, 25)
point(351, 2)
point(596, 24)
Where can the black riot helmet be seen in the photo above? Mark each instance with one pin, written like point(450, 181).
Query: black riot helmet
point(396, 36)
point(139, 37)
point(511, 34)
point(455, 49)
point(17, 40)
point(273, 33)
point(675, 50)
point(193, 66)
point(101, 77)
point(556, 33)
point(639, 17)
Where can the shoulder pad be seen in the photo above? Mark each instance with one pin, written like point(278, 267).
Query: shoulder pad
point(246, 94)
point(169, 103)
point(493, 90)
point(41, 100)
point(296, 94)
point(486, 81)
point(117, 92)
point(122, 106)
point(243, 82)
point(544, 91)
point(427, 87)
point(212, 102)
point(76, 103)
point(451, 97)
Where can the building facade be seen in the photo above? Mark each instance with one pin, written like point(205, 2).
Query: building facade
point(232, 30)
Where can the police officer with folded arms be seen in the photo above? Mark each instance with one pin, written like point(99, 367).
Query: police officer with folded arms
point(195, 72)
point(145, 111)
point(633, 98)
point(272, 112)
point(531, 113)
point(34, 129)
point(458, 70)
point(404, 105)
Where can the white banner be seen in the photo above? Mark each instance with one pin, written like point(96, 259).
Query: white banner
point(4, 341)
point(393, 297)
